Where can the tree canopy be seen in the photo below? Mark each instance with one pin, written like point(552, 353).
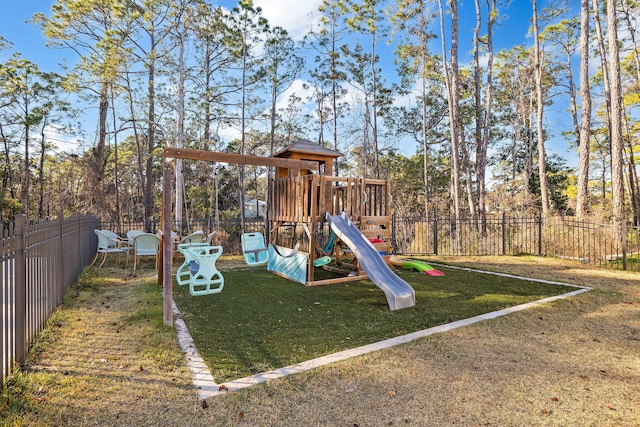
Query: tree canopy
point(369, 79)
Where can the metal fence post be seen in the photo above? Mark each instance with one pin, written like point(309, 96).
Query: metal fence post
point(21, 289)
point(435, 233)
point(540, 234)
point(393, 230)
point(59, 262)
point(504, 233)
point(623, 231)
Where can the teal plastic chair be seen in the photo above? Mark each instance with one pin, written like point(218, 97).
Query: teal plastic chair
point(145, 244)
point(205, 279)
point(254, 250)
point(131, 234)
point(195, 237)
point(107, 244)
point(209, 238)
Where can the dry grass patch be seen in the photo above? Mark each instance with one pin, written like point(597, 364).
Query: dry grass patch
point(571, 362)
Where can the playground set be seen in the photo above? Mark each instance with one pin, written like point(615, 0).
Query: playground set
point(314, 220)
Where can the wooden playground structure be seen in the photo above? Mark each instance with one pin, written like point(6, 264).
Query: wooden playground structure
point(301, 196)
point(300, 205)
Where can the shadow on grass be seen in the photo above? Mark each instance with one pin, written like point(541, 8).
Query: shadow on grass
point(262, 321)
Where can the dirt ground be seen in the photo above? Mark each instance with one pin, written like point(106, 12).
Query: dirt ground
point(573, 362)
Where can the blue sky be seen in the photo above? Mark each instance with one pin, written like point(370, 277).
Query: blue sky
point(294, 15)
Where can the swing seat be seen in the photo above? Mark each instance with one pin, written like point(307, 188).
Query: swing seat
point(204, 277)
point(183, 275)
point(254, 250)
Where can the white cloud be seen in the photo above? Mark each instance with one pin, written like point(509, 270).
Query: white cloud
point(295, 16)
point(299, 88)
point(63, 140)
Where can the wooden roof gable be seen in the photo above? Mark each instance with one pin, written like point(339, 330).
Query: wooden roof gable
point(307, 147)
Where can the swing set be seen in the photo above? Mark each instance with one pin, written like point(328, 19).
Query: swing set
point(301, 200)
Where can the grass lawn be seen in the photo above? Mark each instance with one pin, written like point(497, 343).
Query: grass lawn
point(261, 321)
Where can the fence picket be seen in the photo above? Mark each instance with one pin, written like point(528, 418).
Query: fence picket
point(40, 261)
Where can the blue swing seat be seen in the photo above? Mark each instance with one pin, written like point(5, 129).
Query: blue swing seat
point(183, 275)
point(204, 277)
point(254, 250)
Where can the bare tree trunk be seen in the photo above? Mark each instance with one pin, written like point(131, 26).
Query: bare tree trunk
point(151, 116)
point(477, 74)
point(528, 168)
point(633, 176)
point(243, 121)
point(582, 197)
point(26, 175)
point(116, 178)
point(481, 155)
point(635, 49)
point(425, 145)
point(41, 170)
point(7, 159)
point(179, 173)
point(542, 165)
point(451, 79)
point(466, 165)
point(97, 169)
point(617, 146)
point(634, 191)
point(603, 61)
point(137, 138)
point(374, 108)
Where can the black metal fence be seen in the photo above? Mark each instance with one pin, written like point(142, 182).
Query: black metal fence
point(40, 261)
point(560, 237)
point(227, 234)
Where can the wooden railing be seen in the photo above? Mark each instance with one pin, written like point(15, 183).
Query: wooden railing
point(306, 199)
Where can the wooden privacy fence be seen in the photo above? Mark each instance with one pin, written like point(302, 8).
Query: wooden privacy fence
point(40, 261)
point(560, 237)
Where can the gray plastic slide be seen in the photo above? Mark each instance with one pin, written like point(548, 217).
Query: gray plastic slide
point(398, 292)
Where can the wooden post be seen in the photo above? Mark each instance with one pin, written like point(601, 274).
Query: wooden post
point(167, 282)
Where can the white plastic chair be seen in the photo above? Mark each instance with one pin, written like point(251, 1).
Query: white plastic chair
point(108, 245)
point(145, 244)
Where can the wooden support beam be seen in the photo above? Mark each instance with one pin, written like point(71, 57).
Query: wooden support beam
point(337, 280)
point(167, 279)
point(239, 159)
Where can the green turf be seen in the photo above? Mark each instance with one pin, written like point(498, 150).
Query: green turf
point(262, 321)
